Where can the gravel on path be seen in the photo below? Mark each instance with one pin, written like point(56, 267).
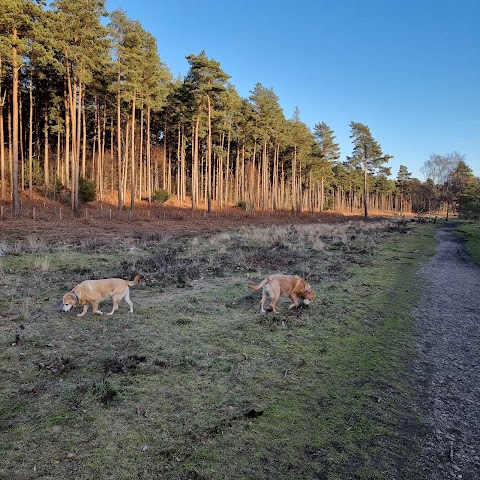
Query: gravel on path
point(448, 322)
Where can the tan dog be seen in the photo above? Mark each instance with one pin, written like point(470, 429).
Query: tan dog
point(95, 291)
point(291, 285)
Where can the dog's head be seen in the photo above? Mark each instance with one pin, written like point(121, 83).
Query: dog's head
point(70, 299)
point(308, 295)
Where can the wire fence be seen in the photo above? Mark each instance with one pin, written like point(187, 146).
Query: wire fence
point(144, 213)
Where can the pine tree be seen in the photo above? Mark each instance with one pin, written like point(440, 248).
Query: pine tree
point(17, 23)
point(268, 120)
point(81, 44)
point(326, 154)
point(301, 144)
point(367, 153)
point(205, 80)
point(464, 189)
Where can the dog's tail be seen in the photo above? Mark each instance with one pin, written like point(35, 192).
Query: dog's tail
point(259, 286)
point(133, 282)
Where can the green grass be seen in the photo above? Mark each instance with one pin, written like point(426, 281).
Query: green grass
point(222, 391)
point(470, 233)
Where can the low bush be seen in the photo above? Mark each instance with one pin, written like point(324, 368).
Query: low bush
point(86, 190)
point(160, 196)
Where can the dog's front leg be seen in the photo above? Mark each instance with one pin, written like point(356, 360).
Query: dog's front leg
point(114, 308)
point(294, 299)
point(95, 308)
point(85, 308)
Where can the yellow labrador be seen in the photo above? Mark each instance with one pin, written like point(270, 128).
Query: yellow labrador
point(292, 286)
point(95, 291)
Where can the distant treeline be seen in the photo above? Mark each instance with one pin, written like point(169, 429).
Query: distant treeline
point(88, 101)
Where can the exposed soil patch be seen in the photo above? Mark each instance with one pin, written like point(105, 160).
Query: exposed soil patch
point(448, 320)
point(123, 363)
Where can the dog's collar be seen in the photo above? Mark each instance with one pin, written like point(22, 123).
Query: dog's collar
point(75, 295)
point(305, 292)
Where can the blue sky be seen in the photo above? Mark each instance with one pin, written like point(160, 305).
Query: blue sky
point(409, 70)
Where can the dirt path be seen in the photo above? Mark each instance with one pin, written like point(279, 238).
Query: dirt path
point(448, 320)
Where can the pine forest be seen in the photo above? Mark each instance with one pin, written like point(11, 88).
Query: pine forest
point(89, 111)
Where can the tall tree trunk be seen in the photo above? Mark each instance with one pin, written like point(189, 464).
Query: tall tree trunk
point(237, 177)
point(169, 172)
point(125, 162)
point(209, 158)
point(84, 137)
point(275, 178)
point(365, 199)
point(102, 156)
point(132, 158)
point(10, 141)
point(294, 179)
point(220, 177)
point(265, 177)
point(21, 154)
point(227, 168)
point(97, 148)
point(183, 163)
point(164, 159)
point(2, 140)
point(149, 157)
point(30, 138)
point(112, 142)
point(14, 145)
point(119, 149)
point(59, 171)
point(179, 162)
point(46, 158)
point(72, 99)
point(322, 193)
point(140, 172)
point(66, 157)
point(243, 179)
point(195, 170)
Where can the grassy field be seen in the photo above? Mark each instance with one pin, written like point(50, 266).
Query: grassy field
point(197, 383)
point(470, 232)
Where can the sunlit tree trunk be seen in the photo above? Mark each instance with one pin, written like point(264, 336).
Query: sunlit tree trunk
point(119, 148)
point(132, 157)
point(209, 158)
point(140, 171)
point(14, 144)
point(149, 157)
point(2, 140)
point(227, 169)
point(84, 136)
point(46, 157)
point(30, 138)
point(195, 169)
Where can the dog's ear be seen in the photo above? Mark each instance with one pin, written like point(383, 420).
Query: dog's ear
point(71, 298)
